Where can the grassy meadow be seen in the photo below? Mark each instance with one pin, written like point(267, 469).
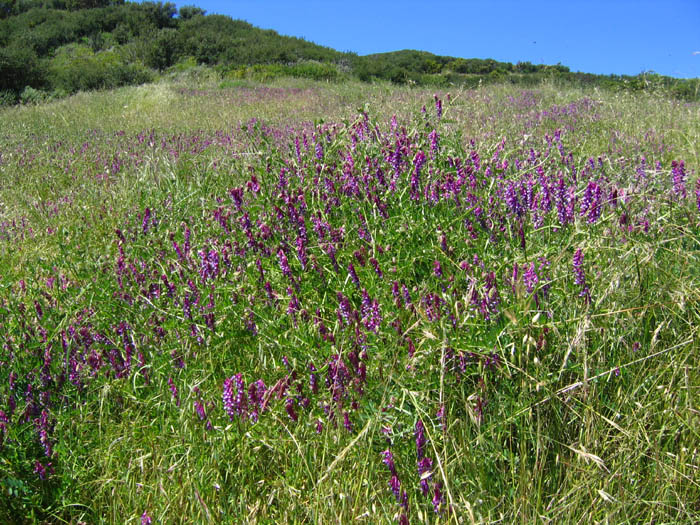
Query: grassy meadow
point(301, 302)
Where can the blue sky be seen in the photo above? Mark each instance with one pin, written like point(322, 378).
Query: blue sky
point(594, 36)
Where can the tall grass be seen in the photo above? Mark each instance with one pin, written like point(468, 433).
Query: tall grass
point(311, 303)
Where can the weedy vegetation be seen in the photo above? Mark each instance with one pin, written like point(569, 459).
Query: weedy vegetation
point(302, 302)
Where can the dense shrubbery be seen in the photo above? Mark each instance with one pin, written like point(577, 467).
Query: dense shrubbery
point(128, 39)
point(77, 68)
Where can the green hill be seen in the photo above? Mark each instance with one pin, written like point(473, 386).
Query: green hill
point(57, 47)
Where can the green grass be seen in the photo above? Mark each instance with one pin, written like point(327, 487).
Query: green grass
point(559, 409)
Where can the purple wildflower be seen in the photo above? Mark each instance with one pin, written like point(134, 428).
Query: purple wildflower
point(353, 275)
point(313, 379)
point(406, 295)
point(418, 162)
point(530, 278)
point(301, 252)
point(186, 246)
point(39, 311)
point(331, 251)
point(388, 460)
point(396, 293)
point(592, 202)
point(437, 497)
point(579, 275)
point(437, 268)
point(145, 519)
point(146, 220)
point(375, 264)
point(420, 439)
point(371, 314)
point(511, 198)
point(411, 348)
point(345, 310)
point(284, 264)
point(173, 391)
point(289, 407)
point(438, 106)
point(434, 138)
point(199, 409)
point(395, 486)
point(424, 471)
point(441, 416)
point(229, 405)
point(40, 470)
point(679, 176)
point(256, 399)
point(209, 267)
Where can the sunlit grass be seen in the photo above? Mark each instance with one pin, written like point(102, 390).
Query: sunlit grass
point(540, 401)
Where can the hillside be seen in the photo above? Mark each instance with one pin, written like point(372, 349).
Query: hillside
point(58, 47)
point(474, 307)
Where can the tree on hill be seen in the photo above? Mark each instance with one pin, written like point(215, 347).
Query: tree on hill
point(190, 11)
point(74, 5)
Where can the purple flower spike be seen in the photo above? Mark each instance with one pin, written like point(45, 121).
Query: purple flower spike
point(146, 220)
point(395, 486)
point(437, 268)
point(388, 460)
point(173, 391)
point(418, 162)
point(200, 410)
point(406, 295)
point(579, 275)
point(289, 407)
point(40, 470)
point(145, 519)
point(371, 314)
point(425, 466)
point(353, 275)
point(284, 264)
point(420, 439)
point(679, 176)
point(438, 106)
point(375, 264)
point(434, 138)
point(437, 497)
point(530, 278)
point(39, 311)
point(441, 417)
point(228, 398)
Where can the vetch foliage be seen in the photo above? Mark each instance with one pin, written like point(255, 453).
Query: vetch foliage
point(401, 317)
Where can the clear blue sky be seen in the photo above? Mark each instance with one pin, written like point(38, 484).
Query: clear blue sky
point(594, 36)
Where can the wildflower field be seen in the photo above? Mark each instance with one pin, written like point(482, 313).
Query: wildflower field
point(322, 303)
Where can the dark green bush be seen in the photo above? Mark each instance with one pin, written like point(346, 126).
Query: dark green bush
point(7, 98)
point(77, 68)
point(19, 67)
point(33, 96)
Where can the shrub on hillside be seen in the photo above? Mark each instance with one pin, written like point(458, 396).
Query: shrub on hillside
point(19, 67)
point(77, 68)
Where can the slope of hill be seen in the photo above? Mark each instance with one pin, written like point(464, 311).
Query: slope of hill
point(57, 47)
